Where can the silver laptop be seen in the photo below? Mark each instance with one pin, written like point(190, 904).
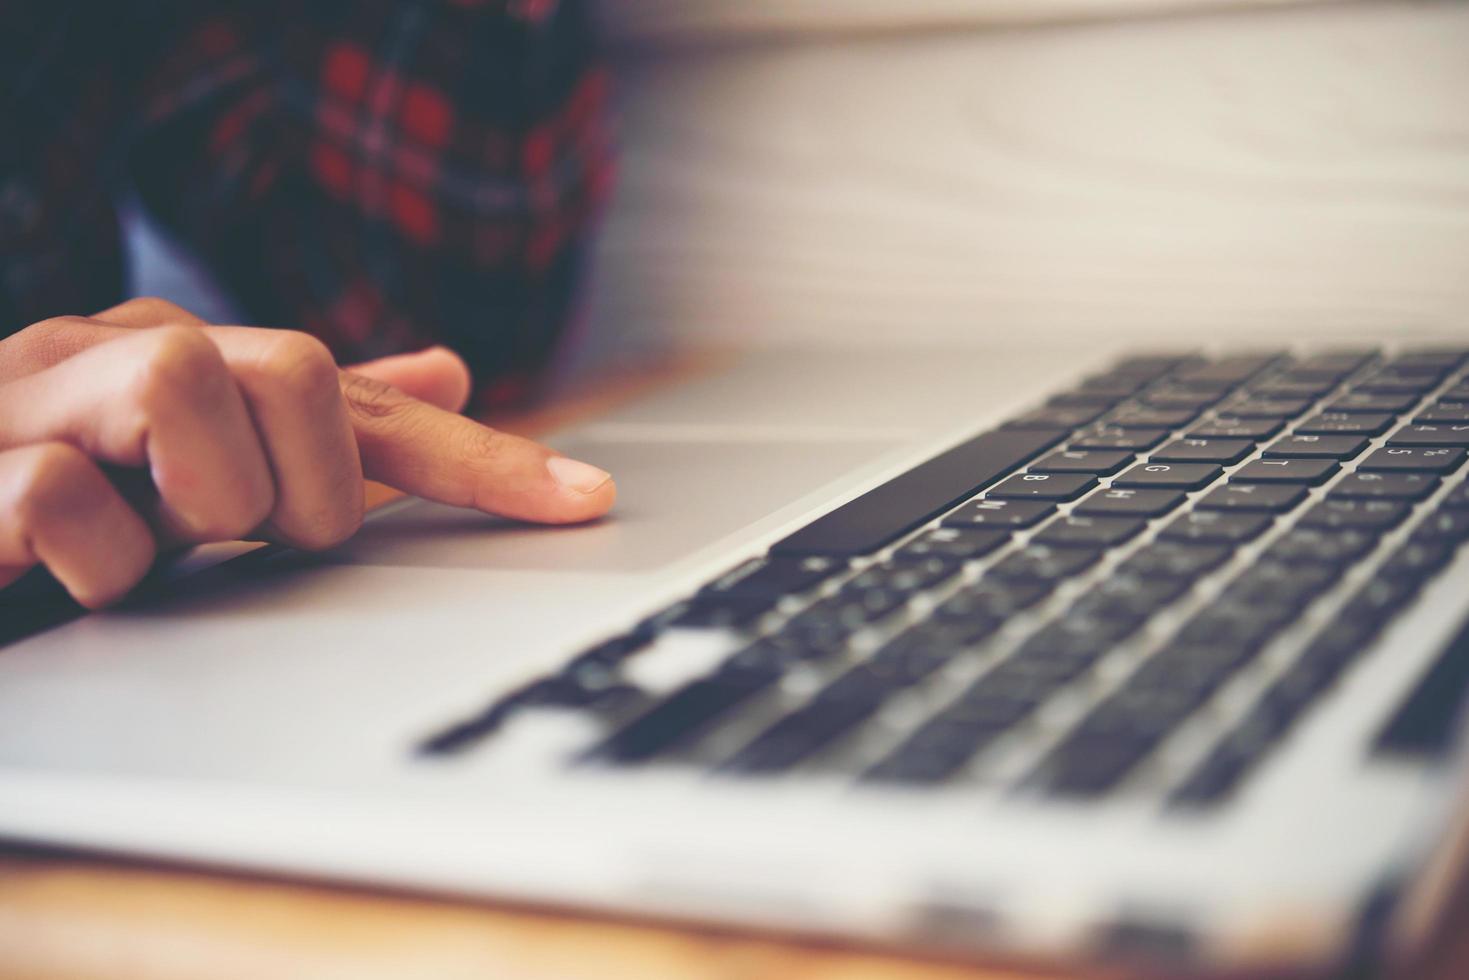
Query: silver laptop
point(1066, 655)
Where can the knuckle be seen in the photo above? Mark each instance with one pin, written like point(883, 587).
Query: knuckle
point(479, 445)
point(325, 529)
point(181, 362)
point(155, 309)
point(298, 365)
point(370, 398)
point(55, 479)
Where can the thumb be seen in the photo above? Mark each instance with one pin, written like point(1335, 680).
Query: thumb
point(435, 375)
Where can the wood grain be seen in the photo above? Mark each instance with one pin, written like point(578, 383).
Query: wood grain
point(1253, 172)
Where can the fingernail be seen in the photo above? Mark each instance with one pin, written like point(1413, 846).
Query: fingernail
point(576, 475)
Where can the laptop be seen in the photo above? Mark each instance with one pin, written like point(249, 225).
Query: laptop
point(1067, 656)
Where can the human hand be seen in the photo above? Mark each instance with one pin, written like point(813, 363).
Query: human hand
point(143, 427)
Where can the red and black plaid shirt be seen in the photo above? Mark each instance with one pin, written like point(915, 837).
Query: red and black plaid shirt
point(382, 173)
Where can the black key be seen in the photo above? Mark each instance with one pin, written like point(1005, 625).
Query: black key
point(1305, 446)
point(1173, 396)
point(1039, 563)
point(1153, 365)
point(1290, 587)
point(848, 611)
point(1346, 423)
point(1059, 653)
point(1129, 503)
point(1314, 545)
point(1308, 472)
point(1387, 486)
point(1088, 765)
point(1416, 459)
point(1055, 417)
point(1216, 527)
point(1111, 437)
point(1080, 531)
point(1443, 415)
point(1143, 711)
point(1083, 398)
point(682, 716)
point(1431, 434)
point(1233, 427)
point(1225, 372)
point(1099, 462)
point(998, 700)
point(1353, 402)
point(1457, 499)
point(1131, 596)
point(806, 731)
point(1287, 389)
point(1457, 395)
point(1386, 382)
point(935, 752)
point(991, 599)
point(1427, 721)
point(775, 654)
point(610, 654)
point(955, 543)
point(903, 577)
point(714, 612)
point(1174, 560)
point(1275, 498)
point(1113, 383)
point(1265, 408)
point(1354, 513)
point(990, 513)
point(1194, 669)
point(1330, 364)
point(825, 627)
point(1416, 561)
point(903, 503)
point(1435, 359)
point(589, 687)
point(1134, 416)
point(1371, 606)
point(1190, 450)
point(1043, 486)
point(1449, 527)
point(772, 577)
point(1174, 476)
point(1232, 758)
point(912, 656)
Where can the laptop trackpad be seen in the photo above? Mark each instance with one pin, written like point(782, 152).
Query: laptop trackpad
point(674, 498)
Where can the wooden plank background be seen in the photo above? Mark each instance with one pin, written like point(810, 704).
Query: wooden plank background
point(1251, 171)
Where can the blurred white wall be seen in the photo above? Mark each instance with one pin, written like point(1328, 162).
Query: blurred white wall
point(1262, 170)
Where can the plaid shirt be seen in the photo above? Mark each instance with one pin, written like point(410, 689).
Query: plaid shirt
point(382, 173)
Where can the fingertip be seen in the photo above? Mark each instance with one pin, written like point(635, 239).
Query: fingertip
point(453, 378)
point(435, 375)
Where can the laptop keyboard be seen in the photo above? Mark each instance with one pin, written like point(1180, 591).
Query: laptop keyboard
point(1147, 581)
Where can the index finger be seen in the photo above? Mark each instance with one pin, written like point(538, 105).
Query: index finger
point(428, 452)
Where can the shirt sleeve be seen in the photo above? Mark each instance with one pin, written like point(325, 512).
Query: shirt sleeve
point(387, 175)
